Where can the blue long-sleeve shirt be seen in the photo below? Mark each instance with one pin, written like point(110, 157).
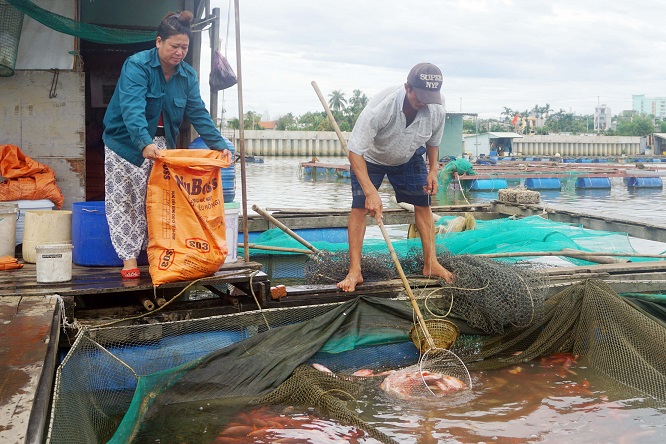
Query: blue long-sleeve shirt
point(142, 93)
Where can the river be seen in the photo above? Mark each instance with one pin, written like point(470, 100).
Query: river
point(279, 183)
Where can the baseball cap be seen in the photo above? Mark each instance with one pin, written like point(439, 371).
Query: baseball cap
point(426, 79)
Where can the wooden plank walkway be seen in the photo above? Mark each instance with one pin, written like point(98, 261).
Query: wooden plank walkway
point(29, 329)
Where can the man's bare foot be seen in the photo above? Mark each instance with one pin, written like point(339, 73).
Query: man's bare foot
point(350, 282)
point(436, 269)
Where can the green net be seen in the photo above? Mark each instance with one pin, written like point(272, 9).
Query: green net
point(460, 166)
point(84, 31)
point(499, 236)
point(11, 23)
point(212, 380)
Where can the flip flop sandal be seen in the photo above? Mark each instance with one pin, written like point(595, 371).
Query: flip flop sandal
point(132, 273)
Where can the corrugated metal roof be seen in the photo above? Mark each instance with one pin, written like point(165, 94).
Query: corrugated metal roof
point(660, 135)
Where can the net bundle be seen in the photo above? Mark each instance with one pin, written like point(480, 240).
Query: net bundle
point(490, 295)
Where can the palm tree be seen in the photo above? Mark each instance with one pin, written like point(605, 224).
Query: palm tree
point(337, 101)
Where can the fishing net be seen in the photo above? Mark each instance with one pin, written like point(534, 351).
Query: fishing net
point(620, 340)
point(11, 23)
point(488, 294)
point(499, 236)
point(85, 31)
point(216, 378)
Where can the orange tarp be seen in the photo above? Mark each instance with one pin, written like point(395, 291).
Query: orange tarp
point(26, 178)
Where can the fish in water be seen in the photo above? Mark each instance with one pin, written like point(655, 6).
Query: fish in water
point(416, 384)
point(410, 382)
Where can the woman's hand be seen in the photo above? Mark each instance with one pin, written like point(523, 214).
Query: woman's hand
point(151, 152)
point(228, 156)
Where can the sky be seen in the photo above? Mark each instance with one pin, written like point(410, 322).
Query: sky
point(570, 54)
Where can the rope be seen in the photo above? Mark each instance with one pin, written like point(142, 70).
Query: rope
point(131, 318)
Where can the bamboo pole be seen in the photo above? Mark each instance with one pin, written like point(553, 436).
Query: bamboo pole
point(405, 283)
point(272, 248)
point(569, 253)
point(330, 117)
point(241, 131)
point(284, 228)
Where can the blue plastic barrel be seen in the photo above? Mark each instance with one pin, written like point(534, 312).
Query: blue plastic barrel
point(543, 183)
point(228, 174)
point(593, 182)
point(488, 184)
point(91, 239)
point(644, 182)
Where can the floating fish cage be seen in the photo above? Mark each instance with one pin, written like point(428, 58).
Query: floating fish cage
point(191, 380)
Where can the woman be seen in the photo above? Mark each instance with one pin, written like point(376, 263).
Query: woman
point(155, 91)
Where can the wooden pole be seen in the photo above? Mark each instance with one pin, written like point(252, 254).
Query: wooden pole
point(330, 117)
point(241, 131)
point(214, 37)
point(272, 248)
point(405, 283)
point(284, 228)
point(570, 253)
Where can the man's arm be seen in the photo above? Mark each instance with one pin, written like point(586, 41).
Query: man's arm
point(432, 153)
point(373, 202)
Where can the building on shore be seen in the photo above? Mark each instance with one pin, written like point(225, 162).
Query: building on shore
point(649, 105)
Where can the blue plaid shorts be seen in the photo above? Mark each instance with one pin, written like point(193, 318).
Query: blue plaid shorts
point(407, 180)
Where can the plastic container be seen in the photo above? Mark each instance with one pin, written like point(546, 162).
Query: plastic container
point(91, 239)
point(644, 182)
point(8, 217)
point(543, 183)
point(228, 174)
point(488, 184)
point(231, 210)
point(26, 205)
point(54, 262)
point(593, 182)
point(45, 227)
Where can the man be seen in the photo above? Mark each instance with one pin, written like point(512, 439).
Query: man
point(391, 135)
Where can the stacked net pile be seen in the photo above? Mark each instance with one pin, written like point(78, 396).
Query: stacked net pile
point(489, 295)
point(206, 372)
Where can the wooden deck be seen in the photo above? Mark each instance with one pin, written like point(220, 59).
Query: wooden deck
point(29, 332)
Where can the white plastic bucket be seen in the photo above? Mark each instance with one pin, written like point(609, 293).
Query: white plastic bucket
point(54, 263)
point(231, 222)
point(8, 219)
point(45, 227)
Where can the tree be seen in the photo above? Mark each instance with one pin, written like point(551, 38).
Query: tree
point(287, 122)
point(233, 123)
point(642, 125)
point(357, 102)
point(337, 101)
point(252, 120)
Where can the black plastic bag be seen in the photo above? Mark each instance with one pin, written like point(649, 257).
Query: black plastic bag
point(221, 75)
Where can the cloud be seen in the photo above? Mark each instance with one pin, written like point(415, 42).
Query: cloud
point(570, 54)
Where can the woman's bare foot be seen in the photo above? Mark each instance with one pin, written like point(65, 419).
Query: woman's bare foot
point(436, 269)
point(350, 282)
